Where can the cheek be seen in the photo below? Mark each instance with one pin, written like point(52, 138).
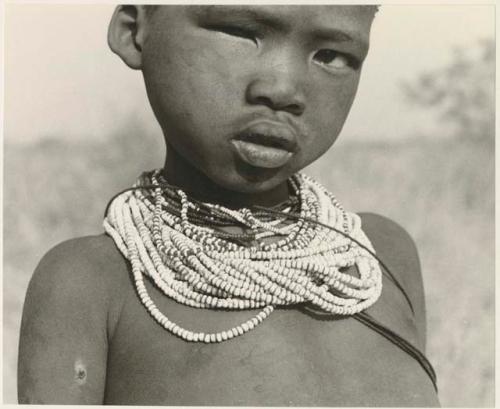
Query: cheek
point(334, 102)
point(328, 113)
point(195, 82)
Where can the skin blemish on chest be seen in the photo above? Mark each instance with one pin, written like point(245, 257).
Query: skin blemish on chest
point(80, 373)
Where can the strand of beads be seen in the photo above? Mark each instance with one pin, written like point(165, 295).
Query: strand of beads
point(167, 238)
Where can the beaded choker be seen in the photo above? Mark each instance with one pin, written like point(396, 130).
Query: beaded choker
point(185, 248)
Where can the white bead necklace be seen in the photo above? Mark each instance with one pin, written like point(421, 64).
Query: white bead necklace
point(194, 266)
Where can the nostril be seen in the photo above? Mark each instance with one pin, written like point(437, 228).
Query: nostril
point(296, 109)
point(261, 100)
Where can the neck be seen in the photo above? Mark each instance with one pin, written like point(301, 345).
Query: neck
point(178, 172)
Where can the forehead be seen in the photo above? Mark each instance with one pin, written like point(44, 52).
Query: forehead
point(310, 14)
point(352, 20)
point(294, 11)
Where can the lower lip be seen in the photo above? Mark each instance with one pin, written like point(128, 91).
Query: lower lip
point(261, 156)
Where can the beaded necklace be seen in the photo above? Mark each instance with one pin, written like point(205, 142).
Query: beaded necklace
point(181, 245)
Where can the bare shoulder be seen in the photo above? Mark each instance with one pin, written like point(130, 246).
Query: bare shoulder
point(72, 306)
point(86, 253)
point(391, 240)
point(86, 266)
point(396, 248)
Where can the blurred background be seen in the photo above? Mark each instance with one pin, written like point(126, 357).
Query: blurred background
point(418, 148)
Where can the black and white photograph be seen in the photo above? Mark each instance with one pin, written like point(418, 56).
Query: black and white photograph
point(262, 204)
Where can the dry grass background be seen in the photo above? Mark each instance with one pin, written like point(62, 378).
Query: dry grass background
point(442, 192)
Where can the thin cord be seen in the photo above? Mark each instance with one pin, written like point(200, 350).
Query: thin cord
point(402, 343)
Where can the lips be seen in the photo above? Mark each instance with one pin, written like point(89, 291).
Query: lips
point(265, 144)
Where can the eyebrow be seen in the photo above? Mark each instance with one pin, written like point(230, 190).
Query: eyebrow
point(338, 36)
point(331, 34)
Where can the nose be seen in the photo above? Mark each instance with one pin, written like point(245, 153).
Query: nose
point(279, 86)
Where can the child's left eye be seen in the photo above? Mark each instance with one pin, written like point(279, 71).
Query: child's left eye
point(333, 59)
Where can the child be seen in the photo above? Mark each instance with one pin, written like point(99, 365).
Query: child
point(288, 311)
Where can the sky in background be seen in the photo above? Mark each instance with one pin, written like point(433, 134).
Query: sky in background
point(62, 81)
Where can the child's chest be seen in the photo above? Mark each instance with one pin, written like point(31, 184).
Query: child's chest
point(292, 358)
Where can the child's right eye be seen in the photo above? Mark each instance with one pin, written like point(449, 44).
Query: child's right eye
point(236, 31)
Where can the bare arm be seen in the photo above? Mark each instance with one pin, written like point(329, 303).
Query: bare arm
point(63, 344)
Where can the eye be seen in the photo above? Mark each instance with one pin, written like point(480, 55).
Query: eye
point(237, 31)
point(335, 60)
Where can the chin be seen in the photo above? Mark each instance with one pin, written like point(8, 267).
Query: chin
point(256, 180)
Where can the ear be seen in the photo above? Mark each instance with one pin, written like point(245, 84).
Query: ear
point(126, 34)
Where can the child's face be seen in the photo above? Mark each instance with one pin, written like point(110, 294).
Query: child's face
point(249, 95)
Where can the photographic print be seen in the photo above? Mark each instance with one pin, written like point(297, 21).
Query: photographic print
point(249, 204)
